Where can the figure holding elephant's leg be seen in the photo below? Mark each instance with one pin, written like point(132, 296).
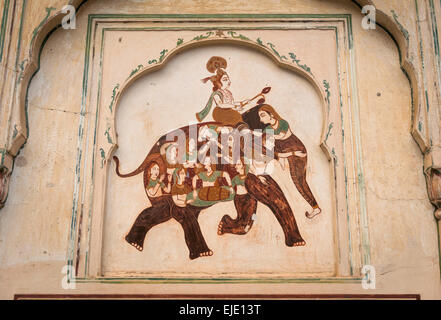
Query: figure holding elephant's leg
point(246, 206)
point(158, 213)
point(187, 217)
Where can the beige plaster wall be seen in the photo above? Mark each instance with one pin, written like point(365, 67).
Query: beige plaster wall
point(34, 224)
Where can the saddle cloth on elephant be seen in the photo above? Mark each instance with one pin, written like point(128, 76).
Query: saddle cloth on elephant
point(214, 193)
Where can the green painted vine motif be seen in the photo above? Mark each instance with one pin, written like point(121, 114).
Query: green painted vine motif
point(403, 30)
point(203, 36)
point(15, 133)
point(163, 53)
point(334, 155)
point(329, 131)
point(107, 134)
point(48, 14)
point(297, 61)
point(179, 42)
point(21, 74)
point(327, 87)
point(328, 93)
point(103, 157)
point(240, 36)
point(135, 71)
point(113, 97)
point(273, 48)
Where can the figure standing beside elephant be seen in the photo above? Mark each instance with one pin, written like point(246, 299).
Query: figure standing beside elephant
point(287, 148)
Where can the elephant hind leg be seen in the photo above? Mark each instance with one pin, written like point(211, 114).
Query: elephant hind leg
point(147, 219)
point(187, 217)
point(269, 193)
point(246, 207)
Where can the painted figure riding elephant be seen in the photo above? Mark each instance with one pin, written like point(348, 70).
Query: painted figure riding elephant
point(194, 168)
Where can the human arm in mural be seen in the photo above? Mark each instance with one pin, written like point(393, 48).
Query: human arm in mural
point(236, 105)
point(227, 110)
point(157, 188)
point(227, 177)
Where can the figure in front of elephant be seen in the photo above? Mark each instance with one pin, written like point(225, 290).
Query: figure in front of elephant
point(289, 148)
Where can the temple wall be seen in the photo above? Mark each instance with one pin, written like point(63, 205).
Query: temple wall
point(61, 109)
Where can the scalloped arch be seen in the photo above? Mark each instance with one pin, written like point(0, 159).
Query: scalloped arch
point(53, 22)
point(239, 42)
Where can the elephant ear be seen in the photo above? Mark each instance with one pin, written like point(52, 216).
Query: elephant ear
point(251, 117)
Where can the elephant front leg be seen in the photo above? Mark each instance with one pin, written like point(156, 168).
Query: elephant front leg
point(187, 217)
point(246, 207)
point(297, 168)
point(267, 191)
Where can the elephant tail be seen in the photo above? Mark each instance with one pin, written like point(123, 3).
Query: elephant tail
point(142, 167)
point(134, 173)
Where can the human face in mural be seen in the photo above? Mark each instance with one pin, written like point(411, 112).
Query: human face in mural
point(181, 176)
point(239, 167)
point(265, 117)
point(225, 81)
point(207, 164)
point(154, 172)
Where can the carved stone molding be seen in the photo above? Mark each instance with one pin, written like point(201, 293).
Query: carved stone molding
point(5, 176)
point(432, 170)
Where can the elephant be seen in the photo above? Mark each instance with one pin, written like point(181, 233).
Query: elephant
point(259, 188)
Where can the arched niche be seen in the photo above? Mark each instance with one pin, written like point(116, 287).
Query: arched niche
point(111, 73)
point(394, 29)
point(264, 49)
point(165, 98)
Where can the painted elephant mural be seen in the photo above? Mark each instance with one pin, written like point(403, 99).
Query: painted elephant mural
point(181, 190)
point(195, 167)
